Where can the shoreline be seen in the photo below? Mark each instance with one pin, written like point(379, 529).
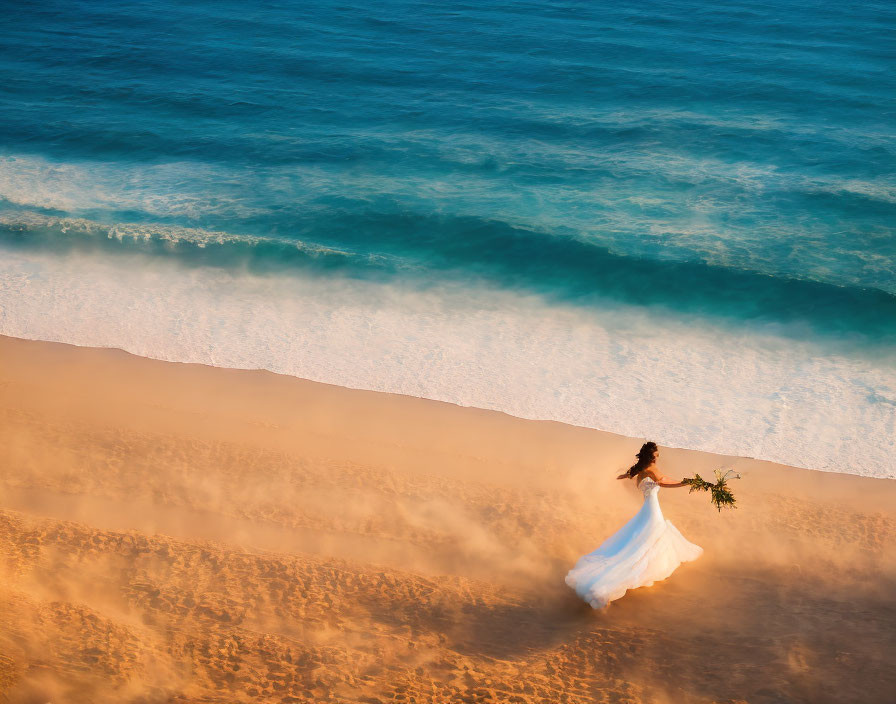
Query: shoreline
point(689, 383)
point(260, 370)
point(179, 531)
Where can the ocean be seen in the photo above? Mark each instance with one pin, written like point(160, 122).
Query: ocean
point(671, 220)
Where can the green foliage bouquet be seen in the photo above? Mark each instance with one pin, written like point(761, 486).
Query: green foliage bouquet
point(721, 494)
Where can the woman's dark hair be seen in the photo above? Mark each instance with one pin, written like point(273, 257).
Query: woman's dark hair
point(646, 457)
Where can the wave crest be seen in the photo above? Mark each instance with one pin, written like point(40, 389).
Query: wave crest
point(428, 249)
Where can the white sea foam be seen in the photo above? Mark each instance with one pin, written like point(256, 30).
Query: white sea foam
point(183, 189)
point(624, 370)
point(201, 237)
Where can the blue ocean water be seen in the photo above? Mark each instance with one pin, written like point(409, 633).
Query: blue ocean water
point(730, 163)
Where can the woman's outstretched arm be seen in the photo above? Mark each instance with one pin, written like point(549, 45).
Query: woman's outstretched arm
point(663, 481)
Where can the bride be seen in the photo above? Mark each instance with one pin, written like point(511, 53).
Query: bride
point(645, 550)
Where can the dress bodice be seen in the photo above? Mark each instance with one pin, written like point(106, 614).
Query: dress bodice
point(647, 485)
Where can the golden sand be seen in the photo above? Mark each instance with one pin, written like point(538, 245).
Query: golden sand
point(182, 533)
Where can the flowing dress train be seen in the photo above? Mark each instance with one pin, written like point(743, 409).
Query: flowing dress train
point(645, 550)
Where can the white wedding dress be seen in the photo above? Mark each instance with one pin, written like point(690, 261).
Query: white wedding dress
point(645, 550)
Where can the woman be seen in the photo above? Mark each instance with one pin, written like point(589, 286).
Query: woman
point(645, 550)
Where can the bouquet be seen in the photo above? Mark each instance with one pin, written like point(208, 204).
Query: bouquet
point(721, 494)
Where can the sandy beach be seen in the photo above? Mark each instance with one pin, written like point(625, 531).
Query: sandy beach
point(182, 533)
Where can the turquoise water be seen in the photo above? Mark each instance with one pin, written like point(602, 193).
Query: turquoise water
point(722, 164)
